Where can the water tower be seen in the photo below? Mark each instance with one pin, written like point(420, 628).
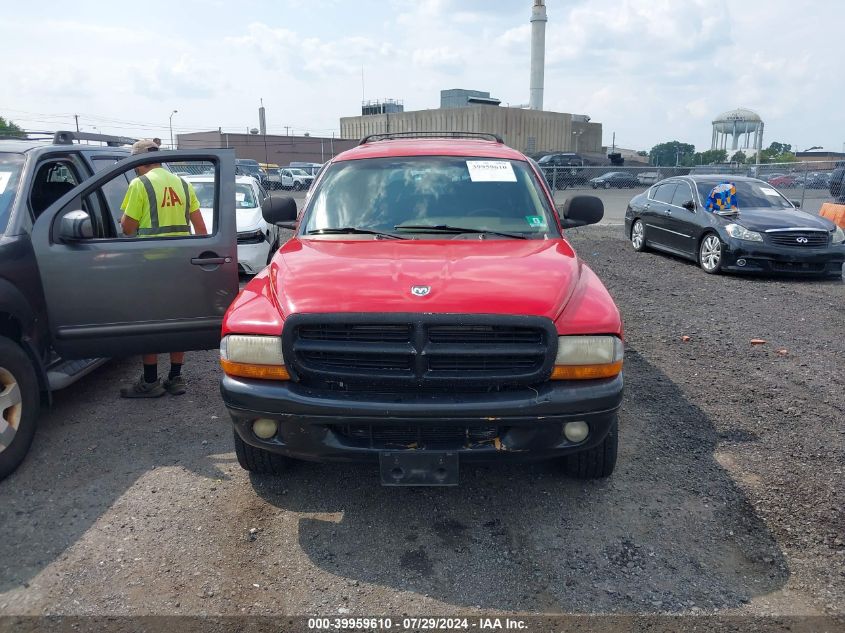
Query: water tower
point(737, 124)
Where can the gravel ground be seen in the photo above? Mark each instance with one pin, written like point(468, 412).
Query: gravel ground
point(727, 498)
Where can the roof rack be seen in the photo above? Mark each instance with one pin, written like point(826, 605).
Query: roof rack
point(67, 137)
point(394, 135)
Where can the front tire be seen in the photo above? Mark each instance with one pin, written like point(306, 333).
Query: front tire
point(257, 460)
point(607, 185)
point(638, 236)
point(597, 462)
point(18, 405)
point(710, 254)
point(297, 186)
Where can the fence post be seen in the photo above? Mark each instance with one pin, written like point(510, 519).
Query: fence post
point(554, 179)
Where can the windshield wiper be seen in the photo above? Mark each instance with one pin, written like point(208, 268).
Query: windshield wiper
point(355, 230)
point(448, 228)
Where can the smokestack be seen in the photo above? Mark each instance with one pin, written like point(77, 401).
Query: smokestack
point(538, 53)
point(262, 120)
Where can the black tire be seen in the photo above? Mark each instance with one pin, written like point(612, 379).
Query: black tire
point(705, 259)
point(17, 376)
point(607, 185)
point(597, 462)
point(638, 244)
point(297, 186)
point(256, 460)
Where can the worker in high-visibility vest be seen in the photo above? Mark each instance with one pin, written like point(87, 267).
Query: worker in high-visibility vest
point(159, 203)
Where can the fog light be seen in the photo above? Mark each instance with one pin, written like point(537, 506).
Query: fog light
point(576, 431)
point(264, 428)
point(740, 262)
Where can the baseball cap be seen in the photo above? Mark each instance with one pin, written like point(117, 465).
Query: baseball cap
point(143, 146)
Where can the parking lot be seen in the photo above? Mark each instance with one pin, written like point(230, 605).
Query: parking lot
point(728, 496)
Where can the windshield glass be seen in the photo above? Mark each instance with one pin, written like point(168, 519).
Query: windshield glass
point(249, 167)
point(10, 172)
point(244, 195)
point(383, 194)
point(750, 194)
point(298, 172)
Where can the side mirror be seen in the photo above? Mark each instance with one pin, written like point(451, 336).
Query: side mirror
point(796, 203)
point(279, 211)
point(689, 205)
point(75, 226)
point(580, 211)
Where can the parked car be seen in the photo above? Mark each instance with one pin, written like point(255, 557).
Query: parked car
point(249, 167)
point(761, 232)
point(257, 240)
point(427, 312)
point(618, 179)
point(68, 295)
point(837, 179)
point(785, 181)
point(294, 178)
point(312, 169)
point(563, 169)
point(648, 177)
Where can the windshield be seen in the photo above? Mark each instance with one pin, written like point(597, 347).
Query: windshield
point(10, 172)
point(244, 195)
point(750, 194)
point(250, 167)
point(406, 195)
point(298, 172)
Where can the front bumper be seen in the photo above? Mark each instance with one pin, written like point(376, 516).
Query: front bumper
point(525, 424)
point(765, 258)
point(252, 258)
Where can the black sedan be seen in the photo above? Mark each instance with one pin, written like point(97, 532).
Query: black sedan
point(758, 230)
point(615, 179)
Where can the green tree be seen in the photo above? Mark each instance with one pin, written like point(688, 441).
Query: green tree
point(777, 153)
point(739, 157)
point(671, 153)
point(9, 129)
point(709, 157)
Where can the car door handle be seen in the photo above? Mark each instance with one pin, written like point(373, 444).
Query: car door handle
point(210, 261)
point(668, 211)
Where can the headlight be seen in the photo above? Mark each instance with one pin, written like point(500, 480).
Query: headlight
point(588, 357)
point(837, 236)
point(253, 357)
point(742, 233)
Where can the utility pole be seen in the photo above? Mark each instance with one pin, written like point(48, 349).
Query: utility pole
point(613, 150)
point(287, 130)
point(76, 117)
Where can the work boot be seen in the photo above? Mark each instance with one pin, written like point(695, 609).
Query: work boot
point(141, 389)
point(175, 386)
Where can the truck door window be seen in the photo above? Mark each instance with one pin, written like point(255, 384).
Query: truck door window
point(114, 190)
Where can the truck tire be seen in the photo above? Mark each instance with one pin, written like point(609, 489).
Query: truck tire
point(597, 462)
point(257, 460)
point(18, 405)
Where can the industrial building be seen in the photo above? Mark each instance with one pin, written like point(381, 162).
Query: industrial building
point(274, 149)
point(530, 130)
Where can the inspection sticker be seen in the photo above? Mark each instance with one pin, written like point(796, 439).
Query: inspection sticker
point(240, 196)
point(536, 221)
point(490, 171)
point(5, 176)
point(770, 192)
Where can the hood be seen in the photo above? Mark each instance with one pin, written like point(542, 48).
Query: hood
point(524, 277)
point(763, 219)
point(246, 219)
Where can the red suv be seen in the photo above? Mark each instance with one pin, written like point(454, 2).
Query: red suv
point(427, 312)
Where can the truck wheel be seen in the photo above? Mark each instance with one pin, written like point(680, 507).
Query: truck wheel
point(597, 462)
point(297, 186)
point(18, 405)
point(256, 460)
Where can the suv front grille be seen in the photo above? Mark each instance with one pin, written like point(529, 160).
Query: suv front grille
point(419, 351)
point(378, 436)
point(799, 239)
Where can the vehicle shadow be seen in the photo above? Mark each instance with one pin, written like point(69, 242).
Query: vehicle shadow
point(671, 530)
point(91, 447)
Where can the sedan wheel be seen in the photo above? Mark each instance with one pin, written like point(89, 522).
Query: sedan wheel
point(710, 254)
point(638, 236)
point(607, 185)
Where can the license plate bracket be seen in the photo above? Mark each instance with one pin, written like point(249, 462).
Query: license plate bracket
point(418, 468)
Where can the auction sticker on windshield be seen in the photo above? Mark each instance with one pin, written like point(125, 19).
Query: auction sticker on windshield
point(490, 171)
point(770, 192)
point(5, 176)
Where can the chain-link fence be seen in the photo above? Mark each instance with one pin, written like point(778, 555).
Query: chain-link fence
point(808, 183)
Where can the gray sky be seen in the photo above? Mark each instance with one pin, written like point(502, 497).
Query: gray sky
point(651, 70)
